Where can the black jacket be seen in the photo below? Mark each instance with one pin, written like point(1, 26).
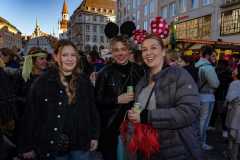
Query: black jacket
point(176, 115)
point(111, 82)
point(48, 114)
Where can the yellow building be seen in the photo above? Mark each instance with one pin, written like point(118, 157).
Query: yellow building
point(103, 7)
point(10, 36)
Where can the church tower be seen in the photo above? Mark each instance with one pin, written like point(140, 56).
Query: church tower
point(64, 21)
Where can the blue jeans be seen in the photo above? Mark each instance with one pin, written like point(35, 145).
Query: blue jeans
point(73, 155)
point(205, 116)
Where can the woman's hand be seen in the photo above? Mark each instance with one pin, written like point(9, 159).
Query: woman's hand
point(134, 116)
point(93, 145)
point(125, 98)
point(29, 155)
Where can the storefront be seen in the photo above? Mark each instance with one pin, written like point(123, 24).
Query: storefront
point(230, 22)
point(198, 28)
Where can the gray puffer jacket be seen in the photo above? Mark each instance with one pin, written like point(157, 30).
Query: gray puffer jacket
point(176, 115)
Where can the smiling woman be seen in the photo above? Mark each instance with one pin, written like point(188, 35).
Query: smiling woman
point(61, 120)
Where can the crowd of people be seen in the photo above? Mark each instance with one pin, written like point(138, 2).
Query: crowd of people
point(69, 105)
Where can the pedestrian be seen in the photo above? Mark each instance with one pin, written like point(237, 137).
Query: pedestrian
point(233, 115)
point(61, 121)
point(7, 116)
point(208, 82)
point(115, 93)
point(169, 102)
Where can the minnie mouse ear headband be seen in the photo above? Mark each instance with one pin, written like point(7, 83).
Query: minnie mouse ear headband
point(159, 27)
point(112, 29)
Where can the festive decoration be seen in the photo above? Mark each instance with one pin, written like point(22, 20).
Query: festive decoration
point(160, 27)
point(112, 29)
point(139, 35)
point(144, 138)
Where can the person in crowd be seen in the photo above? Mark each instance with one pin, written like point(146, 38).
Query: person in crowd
point(189, 66)
point(213, 58)
point(169, 102)
point(114, 93)
point(233, 115)
point(11, 60)
point(95, 59)
point(7, 116)
point(224, 74)
point(208, 82)
point(61, 120)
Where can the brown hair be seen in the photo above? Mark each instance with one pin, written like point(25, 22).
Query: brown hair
point(122, 39)
point(153, 36)
point(71, 86)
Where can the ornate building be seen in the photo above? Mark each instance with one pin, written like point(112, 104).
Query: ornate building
point(103, 7)
point(10, 36)
point(37, 31)
point(87, 23)
point(63, 24)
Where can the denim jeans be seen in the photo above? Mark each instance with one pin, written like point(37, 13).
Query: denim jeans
point(206, 110)
point(73, 155)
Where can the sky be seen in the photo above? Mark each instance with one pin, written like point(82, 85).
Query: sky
point(23, 13)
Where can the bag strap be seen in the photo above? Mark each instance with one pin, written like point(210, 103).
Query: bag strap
point(149, 96)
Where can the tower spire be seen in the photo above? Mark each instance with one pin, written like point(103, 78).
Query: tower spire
point(65, 8)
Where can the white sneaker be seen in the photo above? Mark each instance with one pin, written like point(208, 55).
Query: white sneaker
point(207, 147)
point(225, 134)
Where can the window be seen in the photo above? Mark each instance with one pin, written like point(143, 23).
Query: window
point(164, 12)
point(172, 9)
point(135, 3)
point(138, 15)
point(206, 2)
point(152, 6)
point(146, 10)
point(94, 29)
point(101, 19)
point(102, 39)
point(102, 28)
point(145, 25)
point(95, 38)
point(87, 38)
point(194, 3)
point(199, 28)
point(182, 5)
point(138, 2)
point(230, 22)
point(95, 18)
point(87, 28)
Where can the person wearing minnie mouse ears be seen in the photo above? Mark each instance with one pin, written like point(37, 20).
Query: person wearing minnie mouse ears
point(169, 105)
point(115, 87)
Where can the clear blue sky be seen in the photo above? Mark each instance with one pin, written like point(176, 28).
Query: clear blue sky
point(23, 13)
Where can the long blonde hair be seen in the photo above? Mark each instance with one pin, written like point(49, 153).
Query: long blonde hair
point(71, 86)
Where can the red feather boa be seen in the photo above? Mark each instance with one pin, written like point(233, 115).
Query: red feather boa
point(144, 138)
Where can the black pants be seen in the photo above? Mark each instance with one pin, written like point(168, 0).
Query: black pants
point(108, 144)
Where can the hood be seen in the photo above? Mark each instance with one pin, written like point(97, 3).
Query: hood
point(201, 62)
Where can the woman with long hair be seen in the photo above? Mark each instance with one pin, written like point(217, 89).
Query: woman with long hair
point(61, 121)
point(169, 105)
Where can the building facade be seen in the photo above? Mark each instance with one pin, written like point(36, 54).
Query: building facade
point(194, 19)
point(63, 24)
point(10, 36)
point(87, 23)
point(86, 30)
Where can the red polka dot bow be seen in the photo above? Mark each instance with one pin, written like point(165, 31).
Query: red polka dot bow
point(139, 35)
point(160, 27)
